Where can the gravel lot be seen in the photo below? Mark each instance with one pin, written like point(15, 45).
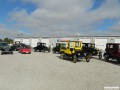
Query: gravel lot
point(45, 71)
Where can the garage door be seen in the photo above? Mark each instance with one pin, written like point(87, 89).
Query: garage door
point(26, 41)
point(100, 43)
point(34, 42)
point(85, 40)
point(47, 41)
point(117, 40)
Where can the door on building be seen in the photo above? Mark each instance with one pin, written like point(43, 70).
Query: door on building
point(100, 43)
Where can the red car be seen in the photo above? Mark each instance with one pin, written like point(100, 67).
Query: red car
point(25, 49)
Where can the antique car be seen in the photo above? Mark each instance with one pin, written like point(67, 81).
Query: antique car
point(6, 49)
point(112, 51)
point(74, 50)
point(2, 44)
point(90, 48)
point(25, 50)
point(56, 49)
point(41, 47)
point(17, 46)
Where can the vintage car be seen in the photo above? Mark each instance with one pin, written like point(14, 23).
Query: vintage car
point(6, 49)
point(56, 49)
point(17, 46)
point(25, 50)
point(41, 47)
point(112, 51)
point(74, 50)
point(90, 48)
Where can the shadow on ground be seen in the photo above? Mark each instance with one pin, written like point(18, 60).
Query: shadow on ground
point(110, 61)
point(70, 59)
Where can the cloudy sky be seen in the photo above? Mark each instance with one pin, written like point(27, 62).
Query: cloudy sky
point(59, 17)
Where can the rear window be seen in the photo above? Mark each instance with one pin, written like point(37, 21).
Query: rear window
point(111, 46)
point(89, 45)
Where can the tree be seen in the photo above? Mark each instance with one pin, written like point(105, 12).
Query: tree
point(8, 40)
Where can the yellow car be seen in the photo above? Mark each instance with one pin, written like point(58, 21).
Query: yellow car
point(74, 50)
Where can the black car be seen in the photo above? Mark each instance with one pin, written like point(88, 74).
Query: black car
point(112, 51)
point(90, 48)
point(6, 49)
point(56, 49)
point(2, 44)
point(17, 46)
point(41, 47)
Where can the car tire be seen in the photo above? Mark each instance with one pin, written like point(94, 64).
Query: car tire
point(106, 58)
point(88, 56)
point(91, 55)
point(74, 58)
point(62, 56)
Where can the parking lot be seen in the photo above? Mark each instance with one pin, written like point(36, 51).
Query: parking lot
point(46, 71)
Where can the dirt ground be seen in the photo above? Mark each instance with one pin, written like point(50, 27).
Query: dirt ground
point(46, 71)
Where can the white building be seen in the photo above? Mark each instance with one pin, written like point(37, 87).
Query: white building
point(100, 41)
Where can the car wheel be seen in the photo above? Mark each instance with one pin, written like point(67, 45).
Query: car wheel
point(62, 55)
point(74, 58)
point(106, 57)
point(88, 56)
point(100, 55)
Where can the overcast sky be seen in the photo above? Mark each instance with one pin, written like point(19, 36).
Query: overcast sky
point(59, 17)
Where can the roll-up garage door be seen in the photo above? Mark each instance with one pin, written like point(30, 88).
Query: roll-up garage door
point(34, 42)
point(26, 41)
point(100, 43)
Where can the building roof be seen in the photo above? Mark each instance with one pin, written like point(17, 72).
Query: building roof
point(66, 36)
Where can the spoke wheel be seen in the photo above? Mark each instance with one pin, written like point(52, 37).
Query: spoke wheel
point(62, 55)
point(74, 58)
point(88, 58)
point(106, 57)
